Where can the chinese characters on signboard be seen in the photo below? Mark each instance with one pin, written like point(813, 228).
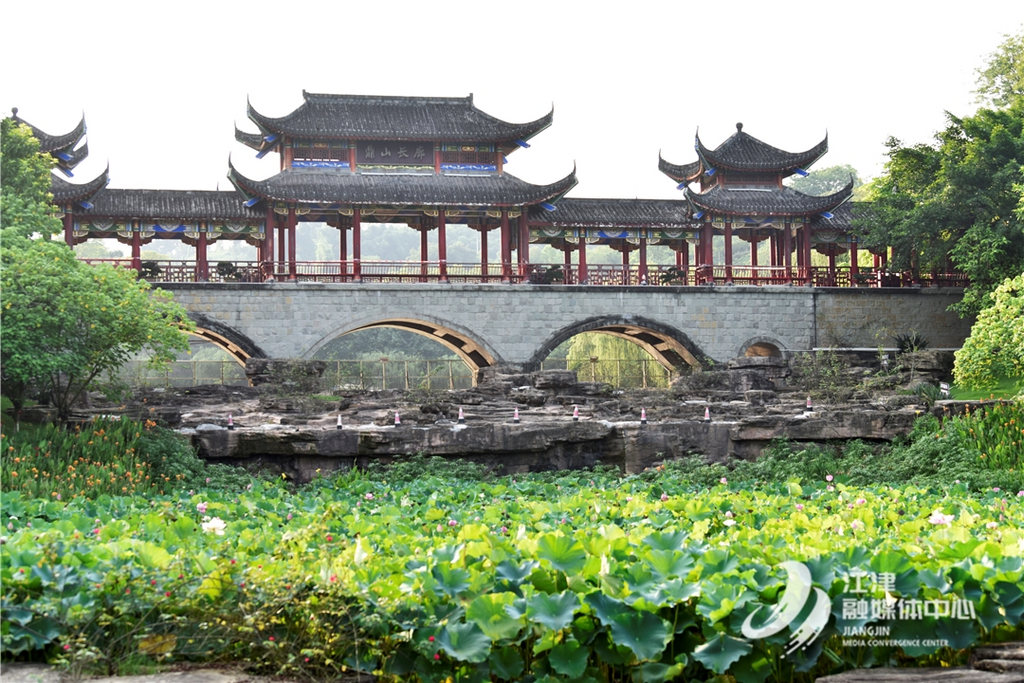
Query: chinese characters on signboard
point(391, 153)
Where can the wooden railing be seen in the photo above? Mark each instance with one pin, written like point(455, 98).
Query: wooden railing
point(597, 274)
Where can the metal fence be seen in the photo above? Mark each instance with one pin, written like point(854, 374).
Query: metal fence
point(374, 375)
point(620, 373)
point(183, 373)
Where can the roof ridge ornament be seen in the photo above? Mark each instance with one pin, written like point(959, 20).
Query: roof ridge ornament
point(739, 127)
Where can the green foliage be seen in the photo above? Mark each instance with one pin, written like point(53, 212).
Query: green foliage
point(955, 199)
point(995, 347)
point(995, 433)
point(106, 457)
point(64, 323)
point(575, 575)
point(1002, 79)
point(910, 342)
point(24, 170)
point(825, 181)
point(621, 362)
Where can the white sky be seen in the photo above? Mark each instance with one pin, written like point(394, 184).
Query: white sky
point(162, 84)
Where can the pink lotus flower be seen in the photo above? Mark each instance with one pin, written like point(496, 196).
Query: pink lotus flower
point(828, 477)
point(664, 497)
point(939, 518)
point(992, 525)
point(799, 506)
point(854, 525)
point(861, 501)
point(830, 488)
point(201, 507)
point(368, 496)
point(452, 522)
point(729, 522)
point(995, 489)
point(1020, 494)
point(728, 514)
point(723, 480)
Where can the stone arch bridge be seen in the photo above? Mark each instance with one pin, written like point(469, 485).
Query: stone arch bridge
point(518, 326)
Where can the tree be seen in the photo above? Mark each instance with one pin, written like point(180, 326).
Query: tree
point(955, 201)
point(1002, 79)
point(825, 181)
point(65, 323)
point(996, 346)
point(619, 361)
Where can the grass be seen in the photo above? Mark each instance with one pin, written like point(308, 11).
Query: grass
point(1007, 387)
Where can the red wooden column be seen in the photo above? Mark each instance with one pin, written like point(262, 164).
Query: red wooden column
point(806, 248)
point(292, 225)
point(483, 253)
point(202, 266)
point(442, 245)
point(69, 228)
point(506, 248)
point(753, 261)
point(625, 263)
point(282, 246)
point(728, 252)
point(707, 244)
point(524, 243)
point(854, 266)
point(342, 252)
point(787, 252)
point(683, 261)
point(136, 247)
point(357, 229)
point(583, 259)
point(643, 260)
point(831, 268)
point(267, 267)
point(424, 253)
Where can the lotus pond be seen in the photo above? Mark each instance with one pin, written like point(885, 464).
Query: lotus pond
point(586, 576)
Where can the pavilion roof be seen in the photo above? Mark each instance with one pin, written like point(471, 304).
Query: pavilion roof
point(766, 201)
point(681, 173)
point(327, 186)
point(254, 140)
point(843, 216)
point(610, 213)
point(167, 204)
point(65, 193)
point(60, 146)
point(400, 118)
point(743, 152)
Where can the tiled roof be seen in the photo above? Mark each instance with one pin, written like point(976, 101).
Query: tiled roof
point(254, 140)
point(608, 213)
point(681, 173)
point(843, 216)
point(53, 143)
point(325, 186)
point(743, 152)
point(766, 202)
point(178, 204)
point(65, 192)
point(398, 118)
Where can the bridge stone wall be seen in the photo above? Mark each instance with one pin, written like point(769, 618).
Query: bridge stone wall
point(517, 325)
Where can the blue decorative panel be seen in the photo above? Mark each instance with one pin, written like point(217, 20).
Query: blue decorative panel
point(469, 167)
point(319, 164)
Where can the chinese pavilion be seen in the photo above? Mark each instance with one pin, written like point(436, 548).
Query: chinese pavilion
point(741, 194)
point(348, 160)
point(351, 162)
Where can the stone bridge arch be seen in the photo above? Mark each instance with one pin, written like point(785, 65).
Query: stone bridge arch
point(463, 343)
point(669, 346)
point(236, 344)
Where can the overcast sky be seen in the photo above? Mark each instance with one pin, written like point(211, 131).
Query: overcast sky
point(162, 84)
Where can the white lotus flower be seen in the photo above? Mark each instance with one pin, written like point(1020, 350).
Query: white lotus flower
point(939, 518)
point(215, 525)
